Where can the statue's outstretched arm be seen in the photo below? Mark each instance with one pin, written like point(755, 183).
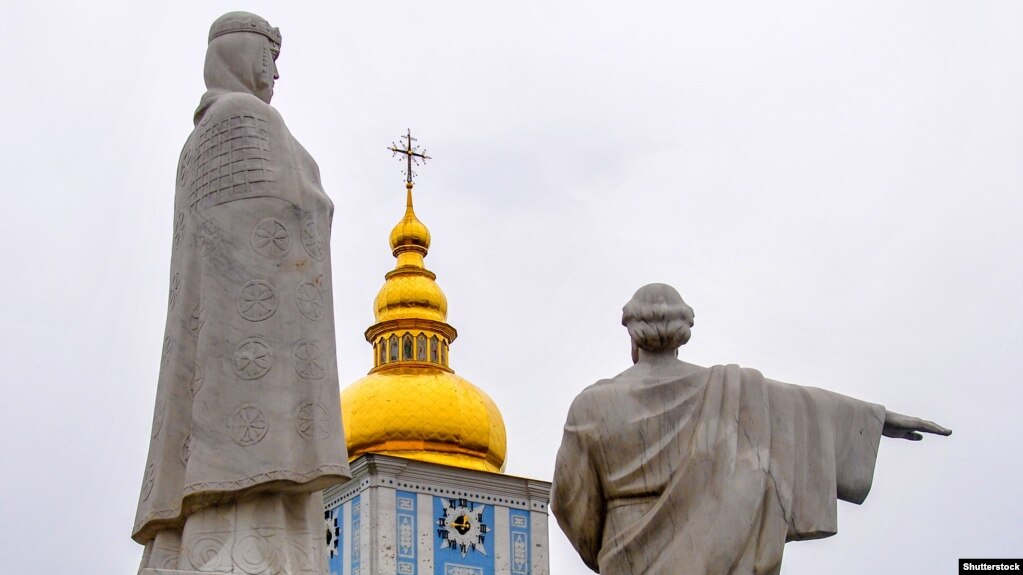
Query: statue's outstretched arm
point(905, 427)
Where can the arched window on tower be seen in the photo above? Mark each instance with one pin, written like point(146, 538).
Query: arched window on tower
point(421, 347)
point(407, 347)
point(393, 343)
point(434, 344)
point(382, 351)
point(444, 353)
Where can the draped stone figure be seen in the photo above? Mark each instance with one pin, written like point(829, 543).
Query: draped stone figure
point(246, 430)
point(675, 468)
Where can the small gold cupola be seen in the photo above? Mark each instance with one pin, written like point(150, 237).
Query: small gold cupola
point(411, 404)
point(410, 290)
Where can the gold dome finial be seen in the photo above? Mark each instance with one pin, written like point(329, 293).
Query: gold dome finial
point(411, 404)
point(410, 234)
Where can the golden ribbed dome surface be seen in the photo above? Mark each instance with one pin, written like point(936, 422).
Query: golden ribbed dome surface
point(410, 231)
point(410, 295)
point(412, 404)
point(435, 416)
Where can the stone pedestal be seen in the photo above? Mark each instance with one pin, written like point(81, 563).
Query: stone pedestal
point(404, 517)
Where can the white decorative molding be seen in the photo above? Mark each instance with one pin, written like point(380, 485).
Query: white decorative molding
point(385, 550)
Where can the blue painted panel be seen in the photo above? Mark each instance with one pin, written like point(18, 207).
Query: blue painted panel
point(520, 552)
point(356, 550)
point(405, 508)
point(463, 543)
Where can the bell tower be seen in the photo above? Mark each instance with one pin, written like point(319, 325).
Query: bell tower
point(428, 495)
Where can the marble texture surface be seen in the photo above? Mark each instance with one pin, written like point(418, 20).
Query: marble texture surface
point(246, 430)
point(675, 468)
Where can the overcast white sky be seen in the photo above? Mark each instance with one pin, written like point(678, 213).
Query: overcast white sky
point(835, 187)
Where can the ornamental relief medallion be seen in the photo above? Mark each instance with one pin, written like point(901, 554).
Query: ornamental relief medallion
point(147, 481)
point(248, 425)
point(257, 300)
point(252, 359)
point(313, 242)
point(309, 360)
point(270, 238)
point(209, 237)
point(175, 287)
point(310, 301)
point(312, 421)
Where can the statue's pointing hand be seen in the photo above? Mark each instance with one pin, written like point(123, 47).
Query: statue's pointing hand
point(905, 427)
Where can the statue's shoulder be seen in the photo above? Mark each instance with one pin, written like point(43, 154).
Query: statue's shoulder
point(239, 105)
point(590, 407)
point(594, 395)
point(233, 152)
point(601, 387)
point(745, 372)
point(240, 101)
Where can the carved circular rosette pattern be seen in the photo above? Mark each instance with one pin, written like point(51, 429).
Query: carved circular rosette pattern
point(165, 355)
point(312, 421)
point(253, 554)
point(186, 449)
point(310, 301)
point(179, 228)
point(209, 237)
point(248, 425)
point(169, 561)
point(257, 300)
point(197, 318)
point(299, 557)
point(158, 416)
point(208, 554)
point(309, 362)
point(252, 359)
point(175, 286)
point(196, 384)
point(147, 481)
point(270, 238)
point(312, 241)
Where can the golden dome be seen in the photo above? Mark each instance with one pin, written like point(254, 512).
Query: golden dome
point(431, 416)
point(410, 290)
point(412, 404)
point(409, 231)
point(410, 295)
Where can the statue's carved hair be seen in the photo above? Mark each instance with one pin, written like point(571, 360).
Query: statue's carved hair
point(657, 318)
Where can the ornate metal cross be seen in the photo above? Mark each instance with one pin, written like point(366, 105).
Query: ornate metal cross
point(411, 152)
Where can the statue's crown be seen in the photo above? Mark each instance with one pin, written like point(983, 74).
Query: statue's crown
point(244, 22)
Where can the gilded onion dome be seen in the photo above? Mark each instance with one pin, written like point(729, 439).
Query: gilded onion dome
point(411, 404)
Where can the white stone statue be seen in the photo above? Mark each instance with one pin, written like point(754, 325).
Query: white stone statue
point(247, 429)
point(675, 468)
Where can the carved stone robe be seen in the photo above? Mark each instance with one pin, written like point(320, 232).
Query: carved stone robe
point(707, 471)
point(247, 426)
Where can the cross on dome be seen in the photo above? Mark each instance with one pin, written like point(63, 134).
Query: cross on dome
point(431, 413)
point(411, 153)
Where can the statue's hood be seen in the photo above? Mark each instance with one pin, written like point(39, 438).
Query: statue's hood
point(237, 62)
